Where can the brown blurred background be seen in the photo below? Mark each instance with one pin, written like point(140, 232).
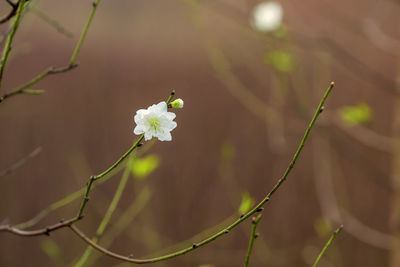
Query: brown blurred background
point(242, 121)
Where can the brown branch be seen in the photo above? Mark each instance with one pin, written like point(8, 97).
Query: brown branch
point(14, 7)
point(21, 162)
point(49, 71)
point(43, 231)
point(106, 251)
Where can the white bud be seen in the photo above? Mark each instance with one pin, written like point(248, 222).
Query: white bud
point(178, 103)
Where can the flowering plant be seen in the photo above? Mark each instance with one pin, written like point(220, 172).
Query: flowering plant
point(155, 121)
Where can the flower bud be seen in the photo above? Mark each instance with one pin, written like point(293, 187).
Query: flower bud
point(178, 103)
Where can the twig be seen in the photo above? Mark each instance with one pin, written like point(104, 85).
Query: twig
point(123, 222)
point(253, 236)
point(330, 207)
point(99, 176)
point(23, 89)
point(327, 245)
point(62, 224)
point(53, 70)
point(226, 230)
point(43, 231)
point(10, 38)
point(107, 216)
point(52, 22)
point(363, 135)
point(84, 32)
point(69, 198)
point(13, 11)
point(21, 162)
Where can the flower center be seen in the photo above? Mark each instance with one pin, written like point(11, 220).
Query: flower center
point(154, 123)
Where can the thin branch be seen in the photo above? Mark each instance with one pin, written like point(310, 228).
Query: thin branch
point(99, 176)
point(71, 197)
point(52, 22)
point(53, 70)
point(84, 32)
point(253, 236)
point(123, 222)
point(13, 11)
point(107, 216)
point(330, 207)
point(327, 245)
point(49, 71)
point(363, 135)
point(226, 230)
point(21, 162)
point(43, 231)
point(10, 38)
point(47, 230)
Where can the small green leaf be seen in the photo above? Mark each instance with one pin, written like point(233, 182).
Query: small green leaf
point(50, 248)
point(246, 204)
point(142, 167)
point(280, 60)
point(323, 227)
point(355, 115)
point(227, 151)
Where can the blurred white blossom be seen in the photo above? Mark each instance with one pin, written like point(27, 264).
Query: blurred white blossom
point(155, 121)
point(267, 16)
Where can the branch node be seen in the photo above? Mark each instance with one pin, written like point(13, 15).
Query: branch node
point(194, 246)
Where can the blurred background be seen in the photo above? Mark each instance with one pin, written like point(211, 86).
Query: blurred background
point(249, 95)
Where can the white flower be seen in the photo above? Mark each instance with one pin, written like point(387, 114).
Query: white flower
point(267, 16)
point(155, 121)
point(178, 103)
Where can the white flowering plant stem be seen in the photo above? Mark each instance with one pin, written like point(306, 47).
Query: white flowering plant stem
point(257, 209)
point(155, 122)
point(112, 167)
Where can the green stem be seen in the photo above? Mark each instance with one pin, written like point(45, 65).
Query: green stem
point(84, 32)
point(123, 222)
point(253, 236)
point(10, 38)
point(327, 245)
point(120, 160)
point(73, 196)
point(50, 71)
point(23, 89)
point(171, 96)
point(226, 230)
point(96, 177)
point(107, 217)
